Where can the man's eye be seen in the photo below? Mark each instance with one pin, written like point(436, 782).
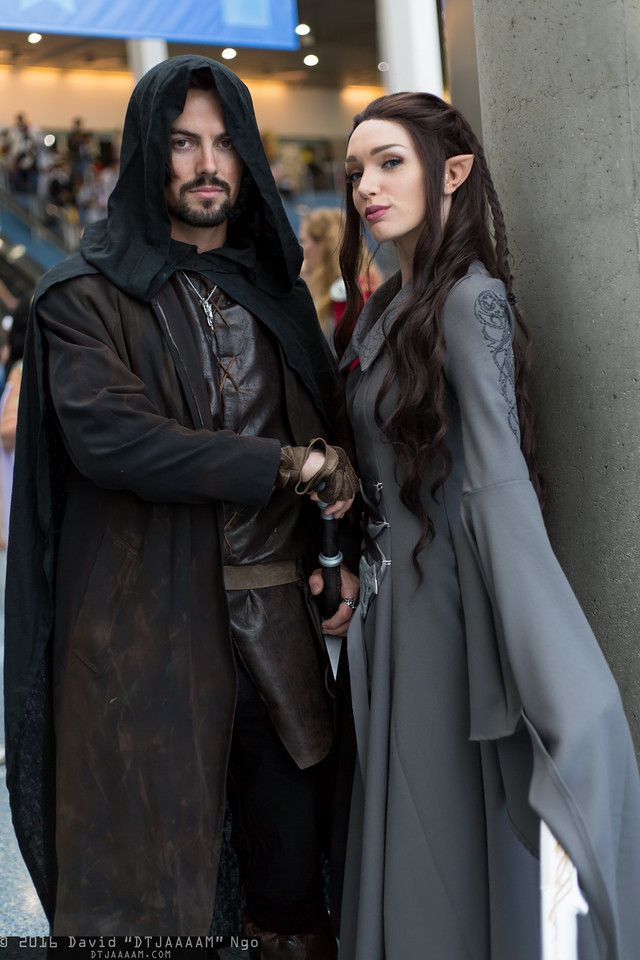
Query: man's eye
point(354, 176)
point(226, 143)
point(181, 143)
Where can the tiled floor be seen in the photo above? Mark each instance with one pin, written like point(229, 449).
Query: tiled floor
point(20, 910)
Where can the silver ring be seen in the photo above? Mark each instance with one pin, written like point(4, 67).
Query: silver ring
point(350, 601)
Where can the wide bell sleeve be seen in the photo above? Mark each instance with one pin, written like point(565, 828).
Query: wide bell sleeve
point(532, 656)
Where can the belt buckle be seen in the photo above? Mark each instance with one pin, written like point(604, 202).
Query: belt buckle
point(368, 583)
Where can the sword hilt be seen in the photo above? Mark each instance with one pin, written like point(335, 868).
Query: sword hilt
point(330, 561)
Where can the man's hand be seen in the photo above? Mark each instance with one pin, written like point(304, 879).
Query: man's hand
point(336, 510)
point(338, 625)
point(320, 468)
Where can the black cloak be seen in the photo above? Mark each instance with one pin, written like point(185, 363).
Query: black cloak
point(133, 249)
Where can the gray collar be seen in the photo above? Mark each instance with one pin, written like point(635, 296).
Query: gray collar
point(372, 326)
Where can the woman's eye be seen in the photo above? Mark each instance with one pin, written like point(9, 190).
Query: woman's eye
point(226, 143)
point(391, 162)
point(181, 143)
point(354, 176)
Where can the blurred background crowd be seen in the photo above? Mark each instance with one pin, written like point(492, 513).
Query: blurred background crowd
point(64, 179)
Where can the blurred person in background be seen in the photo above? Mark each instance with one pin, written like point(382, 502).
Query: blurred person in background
point(272, 149)
point(79, 150)
point(4, 359)
point(92, 194)
point(75, 139)
point(14, 347)
point(483, 704)
point(48, 158)
point(5, 325)
point(163, 655)
point(9, 403)
point(23, 156)
point(8, 306)
point(5, 163)
point(8, 301)
point(320, 234)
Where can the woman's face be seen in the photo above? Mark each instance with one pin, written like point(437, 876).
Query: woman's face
point(388, 181)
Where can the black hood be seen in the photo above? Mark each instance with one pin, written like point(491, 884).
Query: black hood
point(133, 247)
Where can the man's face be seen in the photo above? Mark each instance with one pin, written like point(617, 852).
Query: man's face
point(204, 169)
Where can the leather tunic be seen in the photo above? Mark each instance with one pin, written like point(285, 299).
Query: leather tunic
point(273, 628)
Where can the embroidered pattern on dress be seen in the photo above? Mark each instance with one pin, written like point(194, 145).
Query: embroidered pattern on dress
point(492, 311)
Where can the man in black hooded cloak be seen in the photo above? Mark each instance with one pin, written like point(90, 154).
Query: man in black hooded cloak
point(159, 641)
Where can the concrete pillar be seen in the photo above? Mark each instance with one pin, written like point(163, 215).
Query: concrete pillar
point(144, 54)
point(461, 60)
point(560, 97)
point(409, 42)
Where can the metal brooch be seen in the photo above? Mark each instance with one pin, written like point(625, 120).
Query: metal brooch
point(368, 583)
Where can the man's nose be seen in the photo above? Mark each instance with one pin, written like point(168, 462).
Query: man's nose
point(207, 158)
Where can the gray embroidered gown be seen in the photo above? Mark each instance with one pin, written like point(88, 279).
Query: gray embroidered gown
point(482, 701)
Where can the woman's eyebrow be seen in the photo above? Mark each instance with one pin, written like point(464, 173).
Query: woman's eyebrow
point(372, 153)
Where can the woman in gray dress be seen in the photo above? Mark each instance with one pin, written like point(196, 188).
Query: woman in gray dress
point(482, 702)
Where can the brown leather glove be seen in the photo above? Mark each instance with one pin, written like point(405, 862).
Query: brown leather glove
point(336, 475)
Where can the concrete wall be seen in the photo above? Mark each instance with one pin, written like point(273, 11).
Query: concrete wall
point(51, 98)
point(560, 97)
point(462, 63)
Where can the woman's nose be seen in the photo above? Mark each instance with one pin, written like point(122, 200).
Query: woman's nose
point(367, 186)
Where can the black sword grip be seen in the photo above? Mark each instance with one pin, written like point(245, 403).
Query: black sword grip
point(332, 593)
point(330, 561)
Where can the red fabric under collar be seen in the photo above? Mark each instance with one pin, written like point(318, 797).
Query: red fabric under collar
point(354, 363)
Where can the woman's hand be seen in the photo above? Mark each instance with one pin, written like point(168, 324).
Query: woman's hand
point(338, 625)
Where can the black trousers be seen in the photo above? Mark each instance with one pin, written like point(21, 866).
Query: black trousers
point(280, 814)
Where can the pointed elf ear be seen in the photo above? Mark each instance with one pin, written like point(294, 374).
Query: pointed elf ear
point(456, 171)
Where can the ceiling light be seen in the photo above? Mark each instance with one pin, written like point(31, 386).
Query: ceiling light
point(229, 53)
point(383, 66)
point(303, 29)
point(34, 37)
point(311, 60)
point(49, 140)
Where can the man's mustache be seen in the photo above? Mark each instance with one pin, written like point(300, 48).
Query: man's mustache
point(205, 181)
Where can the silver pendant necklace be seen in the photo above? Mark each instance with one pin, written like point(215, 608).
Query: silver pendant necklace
point(204, 301)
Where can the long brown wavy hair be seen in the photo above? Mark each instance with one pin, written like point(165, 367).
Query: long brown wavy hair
point(417, 427)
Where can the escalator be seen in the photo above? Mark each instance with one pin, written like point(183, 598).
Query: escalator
point(28, 248)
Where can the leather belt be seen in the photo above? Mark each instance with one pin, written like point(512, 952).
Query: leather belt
point(253, 576)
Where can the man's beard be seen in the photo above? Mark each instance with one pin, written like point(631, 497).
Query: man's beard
point(208, 213)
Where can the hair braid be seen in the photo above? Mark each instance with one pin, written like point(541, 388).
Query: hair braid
point(499, 228)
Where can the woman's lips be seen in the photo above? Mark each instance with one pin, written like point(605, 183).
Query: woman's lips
point(375, 213)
